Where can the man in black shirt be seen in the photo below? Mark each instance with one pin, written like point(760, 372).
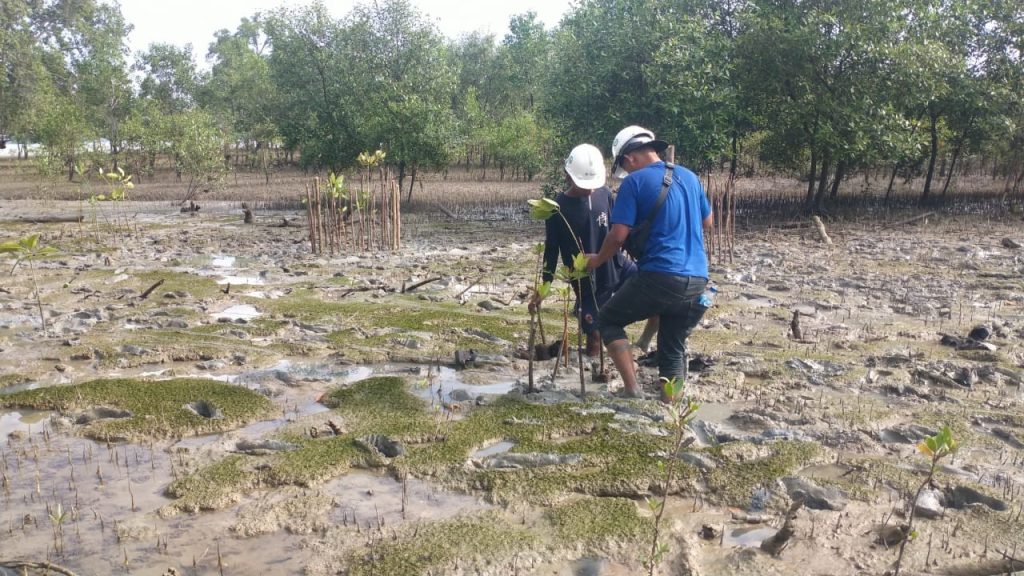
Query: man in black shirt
point(586, 205)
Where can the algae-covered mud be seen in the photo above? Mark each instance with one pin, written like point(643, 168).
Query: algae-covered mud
point(201, 396)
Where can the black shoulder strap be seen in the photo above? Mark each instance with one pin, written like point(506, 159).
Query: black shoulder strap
point(666, 183)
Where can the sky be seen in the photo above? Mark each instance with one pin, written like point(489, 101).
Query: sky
point(194, 21)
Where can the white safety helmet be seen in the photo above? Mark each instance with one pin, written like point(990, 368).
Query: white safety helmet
point(629, 139)
point(585, 166)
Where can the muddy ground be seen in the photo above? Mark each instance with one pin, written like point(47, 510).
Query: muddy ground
point(263, 408)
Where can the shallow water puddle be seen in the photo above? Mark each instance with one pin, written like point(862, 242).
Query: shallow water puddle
point(256, 430)
point(290, 372)
point(265, 295)
point(21, 421)
point(492, 450)
point(449, 385)
point(245, 312)
point(109, 495)
point(831, 472)
point(747, 537)
point(222, 261)
point(241, 280)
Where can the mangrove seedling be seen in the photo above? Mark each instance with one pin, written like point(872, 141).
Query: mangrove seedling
point(542, 209)
point(28, 249)
point(118, 185)
point(58, 516)
point(935, 448)
point(681, 411)
point(576, 276)
point(540, 291)
point(564, 293)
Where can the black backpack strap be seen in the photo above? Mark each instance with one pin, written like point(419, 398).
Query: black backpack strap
point(666, 183)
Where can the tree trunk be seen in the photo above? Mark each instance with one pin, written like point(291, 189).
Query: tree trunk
point(892, 178)
point(810, 177)
point(819, 196)
point(952, 166)
point(412, 182)
point(401, 175)
point(931, 161)
point(840, 173)
point(735, 157)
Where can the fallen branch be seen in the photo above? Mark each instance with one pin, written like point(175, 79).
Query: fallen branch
point(987, 568)
point(149, 290)
point(471, 285)
point(52, 219)
point(366, 289)
point(778, 542)
point(418, 284)
point(45, 566)
point(909, 220)
point(822, 233)
point(446, 212)
point(789, 226)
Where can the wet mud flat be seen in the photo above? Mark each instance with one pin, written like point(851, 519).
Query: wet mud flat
point(264, 407)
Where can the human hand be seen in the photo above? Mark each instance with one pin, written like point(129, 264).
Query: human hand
point(592, 263)
point(535, 301)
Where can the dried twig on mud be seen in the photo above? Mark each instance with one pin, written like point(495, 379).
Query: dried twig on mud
point(406, 290)
point(149, 290)
point(44, 566)
point(51, 219)
point(909, 220)
point(366, 289)
point(471, 284)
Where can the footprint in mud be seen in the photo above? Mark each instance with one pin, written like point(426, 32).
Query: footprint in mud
point(101, 413)
point(382, 444)
point(204, 409)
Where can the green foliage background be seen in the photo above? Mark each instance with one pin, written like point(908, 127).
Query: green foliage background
point(816, 88)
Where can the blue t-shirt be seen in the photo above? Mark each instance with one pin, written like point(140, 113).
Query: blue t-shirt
point(676, 243)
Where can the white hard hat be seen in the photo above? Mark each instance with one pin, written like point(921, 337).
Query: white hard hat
point(628, 139)
point(585, 166)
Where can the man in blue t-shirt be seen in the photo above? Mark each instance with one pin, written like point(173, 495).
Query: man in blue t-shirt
point(674, 268)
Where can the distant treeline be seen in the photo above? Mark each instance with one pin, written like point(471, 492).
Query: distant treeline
point(819, 89)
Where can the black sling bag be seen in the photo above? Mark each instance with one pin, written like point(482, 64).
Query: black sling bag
point(636, 242)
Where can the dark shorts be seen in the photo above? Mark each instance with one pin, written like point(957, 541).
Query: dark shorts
point(591, 305)
point(673, 298)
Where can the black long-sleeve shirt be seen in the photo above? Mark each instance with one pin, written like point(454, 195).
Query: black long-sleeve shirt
point(588, 216)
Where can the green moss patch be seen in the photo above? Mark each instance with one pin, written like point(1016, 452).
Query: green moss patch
point(214, 487)
point(380, 405)
point(259, 328)
point(13, 380)
point(427, 548)
point(195, 285)
point(597, 522)
point(157, 408)
point(452, 324)
point(733, 482)
point(612, 463)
